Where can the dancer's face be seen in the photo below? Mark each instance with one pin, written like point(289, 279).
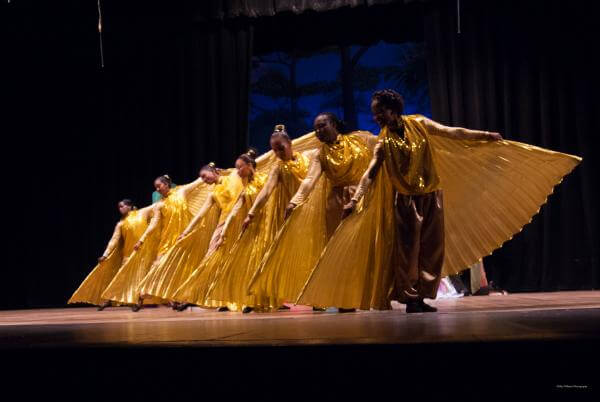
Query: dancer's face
point(384, 116)
point(281, 148)
point(209, 176)
point(161, 187)
point(324, 128)
point(124, 208)
point(244, 169)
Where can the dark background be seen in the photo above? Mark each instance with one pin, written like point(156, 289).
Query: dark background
point(173, 95)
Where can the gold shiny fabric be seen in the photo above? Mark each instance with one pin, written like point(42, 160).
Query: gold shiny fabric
point(297, 247)
point(345, 161)
point(129, 230)
point(354, 270)
point(195, 289)
point(170, 218)
point(409, 160)
point(491, 190)
point(178, 263)
point(231, 283)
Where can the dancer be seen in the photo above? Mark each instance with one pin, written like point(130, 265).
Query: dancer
point(260, 226)
point(315, 210)
point(127, 232)
point(403, 233)
point(195, 289)
point(195, 241)
point(169, 217)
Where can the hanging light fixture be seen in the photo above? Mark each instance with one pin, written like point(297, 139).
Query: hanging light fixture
point(100, 34)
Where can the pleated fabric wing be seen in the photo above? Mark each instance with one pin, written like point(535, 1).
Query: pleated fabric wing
point(491, 190)
point(242, 261)
point(124, 288)
point(90, 290)
point(355, 268)
point(177, 264)
point(295, 250)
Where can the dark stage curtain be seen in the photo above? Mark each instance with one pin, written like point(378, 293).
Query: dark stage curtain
point(220, 9)
point(173, 96)
point(527, 70)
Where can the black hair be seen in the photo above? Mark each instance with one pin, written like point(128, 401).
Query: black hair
point(280, 132)
point(211, 167)
point(165, 179)
point(128, 202)
point(339, 125)
point(249, 157)
point(389, 99)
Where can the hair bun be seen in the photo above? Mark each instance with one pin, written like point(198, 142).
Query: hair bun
point(279, 128)
point(251, 153)
point(212, 165)
point(166, 176)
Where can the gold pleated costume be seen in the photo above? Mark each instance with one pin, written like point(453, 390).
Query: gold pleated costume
point(231, 283)
point(186, 254)
point(127, 232)
point(195, 289)
point(169, 218)
point(491, 190)
point(297, 247)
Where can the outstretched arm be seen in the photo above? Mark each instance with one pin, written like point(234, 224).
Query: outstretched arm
point(236, 209)
point(154, 222)
point(112, 244)
point(307, 185)
point(203, 211)
point(263, 196)
point(366, 179)
point(459, 133)
point(188, 188)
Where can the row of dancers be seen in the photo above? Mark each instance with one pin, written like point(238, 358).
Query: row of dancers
point(339, 219)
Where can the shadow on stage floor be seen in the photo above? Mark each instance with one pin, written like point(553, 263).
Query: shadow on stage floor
point(542, 344)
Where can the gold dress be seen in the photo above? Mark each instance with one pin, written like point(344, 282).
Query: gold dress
point(491, 190)
point(127, 232)
point(296, 248)
point(169, 217)
point(186, 254)
point(195, 289)
point(240, 264)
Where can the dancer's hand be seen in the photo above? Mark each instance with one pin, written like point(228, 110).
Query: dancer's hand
point(348, 209)
point(246, 222)
point(137, 245)
point(290, 208)
point(102, 258)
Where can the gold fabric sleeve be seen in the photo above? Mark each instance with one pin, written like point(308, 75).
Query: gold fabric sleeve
point(267, 190)
point(354, 270)
point(154, 222)
point(455, 133)
point(114, 240)
point(370, 174)
point(309, 183)
point(233, 214)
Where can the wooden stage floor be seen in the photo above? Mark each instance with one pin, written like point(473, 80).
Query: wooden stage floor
point(481, 348)
point(515, 317)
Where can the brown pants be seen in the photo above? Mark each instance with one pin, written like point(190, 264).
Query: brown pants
point(420, 248)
